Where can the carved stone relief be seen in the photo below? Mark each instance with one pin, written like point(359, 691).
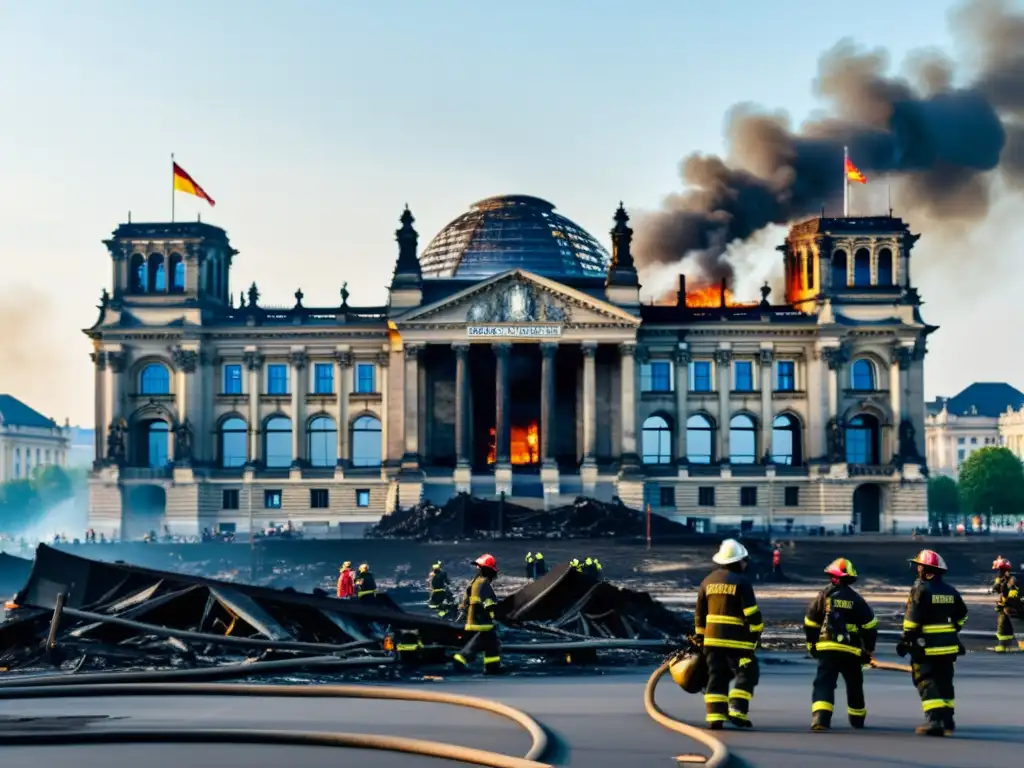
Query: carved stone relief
point(518, 302)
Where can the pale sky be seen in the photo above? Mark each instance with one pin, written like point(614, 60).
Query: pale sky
point(312, 123)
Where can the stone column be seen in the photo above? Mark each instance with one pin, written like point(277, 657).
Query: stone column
point(834, 358)
point(117, 363)
point(185, 363)
point(627, 403)
point(298, 370)
point(502, 423)
point(547, 402)
point(682, 391)
point(99, 360)
point(410, 458)
point(254, 364)
point(342, 375)
point(589, 349)
point(462, 404)
point(723, 361)
point(767, 415)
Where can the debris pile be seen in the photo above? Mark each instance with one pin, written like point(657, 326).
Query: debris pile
point(467, 517)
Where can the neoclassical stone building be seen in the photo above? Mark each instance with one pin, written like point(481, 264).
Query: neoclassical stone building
point(29, 441)
point(514, 355)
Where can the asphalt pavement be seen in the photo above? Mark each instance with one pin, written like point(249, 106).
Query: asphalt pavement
point(597, 720)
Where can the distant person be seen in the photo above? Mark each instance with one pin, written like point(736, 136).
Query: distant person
point(346, 584)
point(366, 585)
point(1008, 604)
point(540, 568)
point(531, 566)
point(841, 633)
point(934, 616)
point(728, 627)
point(478, 606)
point(590, 568)
point(438, 586)
point(777, 562)
point(576, 565)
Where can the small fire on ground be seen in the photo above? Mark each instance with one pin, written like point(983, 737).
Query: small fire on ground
point(525, 442)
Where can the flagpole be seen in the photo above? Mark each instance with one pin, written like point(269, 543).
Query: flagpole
point(846, 183)
point(172, 187)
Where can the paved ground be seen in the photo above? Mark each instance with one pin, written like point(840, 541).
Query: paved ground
point(599, 721)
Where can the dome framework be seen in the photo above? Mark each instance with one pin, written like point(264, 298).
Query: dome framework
point(513, 232)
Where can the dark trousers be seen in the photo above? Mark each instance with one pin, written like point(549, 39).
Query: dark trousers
point(1004, 633)
point(481, 642)
point(934, 681)
point(832, 664)
point(724, 664)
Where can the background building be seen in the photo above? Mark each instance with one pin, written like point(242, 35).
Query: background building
point(28, 440)
point(513, 356)
point(957, 426)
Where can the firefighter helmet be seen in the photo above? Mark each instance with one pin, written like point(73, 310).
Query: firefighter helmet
point(930, 559)
point(1001, 564)
point(841, 568)
point(487, 561)
point(689, 670)
point(731, 551)
point(364, 568)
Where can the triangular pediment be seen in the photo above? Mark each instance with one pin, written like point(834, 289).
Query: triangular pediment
point(519, 297)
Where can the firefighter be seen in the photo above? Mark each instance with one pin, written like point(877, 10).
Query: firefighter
point(540, 568)
point(934, 616)
point(1008, 604)
point(366, 585)
point(346, 586)
point(438, 585)
point(589, 568)
point(531, 566)
point(576, 565)
point(728, 629)
point(479, 608)
point(598, 569)
point(841, 632)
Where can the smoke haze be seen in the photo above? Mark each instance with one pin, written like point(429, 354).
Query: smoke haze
point(947, 150)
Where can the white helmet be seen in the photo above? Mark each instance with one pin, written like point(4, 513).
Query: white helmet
point(731, 551)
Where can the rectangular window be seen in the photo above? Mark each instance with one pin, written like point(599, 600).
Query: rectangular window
point(366, 383)
point(748, 496)
point(229, 499)
point(277, 379)
point(272, 499)
point(232, 379)
point(743, 370)
point(960, 441)
point(700, 376)
point(974, 441)
point(792, 495)
point(362, 497)
point(318, 498)
point(961, 455)
point(323, 378)
point(668, 496)
point(706, 496)
point(656, 376)
point(785, 376)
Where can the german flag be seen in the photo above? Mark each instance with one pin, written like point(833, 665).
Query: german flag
point(852, 173)
point(185, 183)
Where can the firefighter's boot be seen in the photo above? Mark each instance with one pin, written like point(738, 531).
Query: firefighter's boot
point(948, 723)
point(821, 721)
point(931, 728)
point(739, 720)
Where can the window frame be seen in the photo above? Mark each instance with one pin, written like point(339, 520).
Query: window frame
point(230, 499)
point(781, 378)
point(705, 367)
point(226, 379)
point(318, 495)
point(273, 368)
point(359, 385)
point(361, 494)
point(656, 376)
point(748, 366)
point(271, 493)
point(323, 373)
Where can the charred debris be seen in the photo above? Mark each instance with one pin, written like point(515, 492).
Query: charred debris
point(79, 614)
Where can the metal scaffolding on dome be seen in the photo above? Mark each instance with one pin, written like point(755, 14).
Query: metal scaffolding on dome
point(510, 232)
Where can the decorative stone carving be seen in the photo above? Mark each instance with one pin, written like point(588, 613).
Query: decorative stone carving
point(298, 360)
point(908, 444)
point(115, 441)
point(723, 356)
point(627, 350)
point(117, 361)
point(183, 441)
point(412, 351)
point(836, 440)
point(344, 359)
point(518, 302)
point(99, 359)
point(253, 360)
point(184, 359)
point(461, 349)
point(683, 356)
point(548, 348)
point(589, 350)
point(383, 359)
point(502, 348)
point(767, 356)
point(835, 357)
point(900, 355)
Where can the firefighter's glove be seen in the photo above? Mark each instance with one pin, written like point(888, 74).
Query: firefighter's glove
point(697, 641)
point(866, 658)
point(961, 651)
point(812, 649)
point(903, 647)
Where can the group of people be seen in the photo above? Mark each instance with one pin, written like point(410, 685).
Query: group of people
point(589, 566)
point(841, 634)
point(360, 585)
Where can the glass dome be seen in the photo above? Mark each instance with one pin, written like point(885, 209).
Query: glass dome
point(513, 232)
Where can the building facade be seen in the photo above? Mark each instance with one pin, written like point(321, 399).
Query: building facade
point(514, 356)
point(29, 440)
point(957, 426)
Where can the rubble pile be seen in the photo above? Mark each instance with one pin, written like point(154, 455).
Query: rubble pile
point(467, 517)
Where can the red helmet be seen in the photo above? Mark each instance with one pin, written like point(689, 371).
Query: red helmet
point(487, 561)
point(841, 568)
point(930, 559)
point(1001, 564)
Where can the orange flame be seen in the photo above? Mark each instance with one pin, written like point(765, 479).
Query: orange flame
point(524, 445)
point(711, 296)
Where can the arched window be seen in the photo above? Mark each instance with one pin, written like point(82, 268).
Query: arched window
point(137, 274)
point(323, 442)
point(862, 267)
point(786, 441)
point(862, 440)
point(699, 439)
point(366, 442)
point(155, 380)
point(839, 274)
point(277, 442)
point(885, 267)
point(656, 441)
point(176, 268)
point(234, 442)
point(157, 443)
point(862, 376)
point(157, 274)
point(742, 440)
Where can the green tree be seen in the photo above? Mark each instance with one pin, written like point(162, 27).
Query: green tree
point(943, 499)
point(992, 483)
point(19, 503)
point(53, 483)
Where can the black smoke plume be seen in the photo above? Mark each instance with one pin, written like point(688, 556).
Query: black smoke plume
point(940, 145)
